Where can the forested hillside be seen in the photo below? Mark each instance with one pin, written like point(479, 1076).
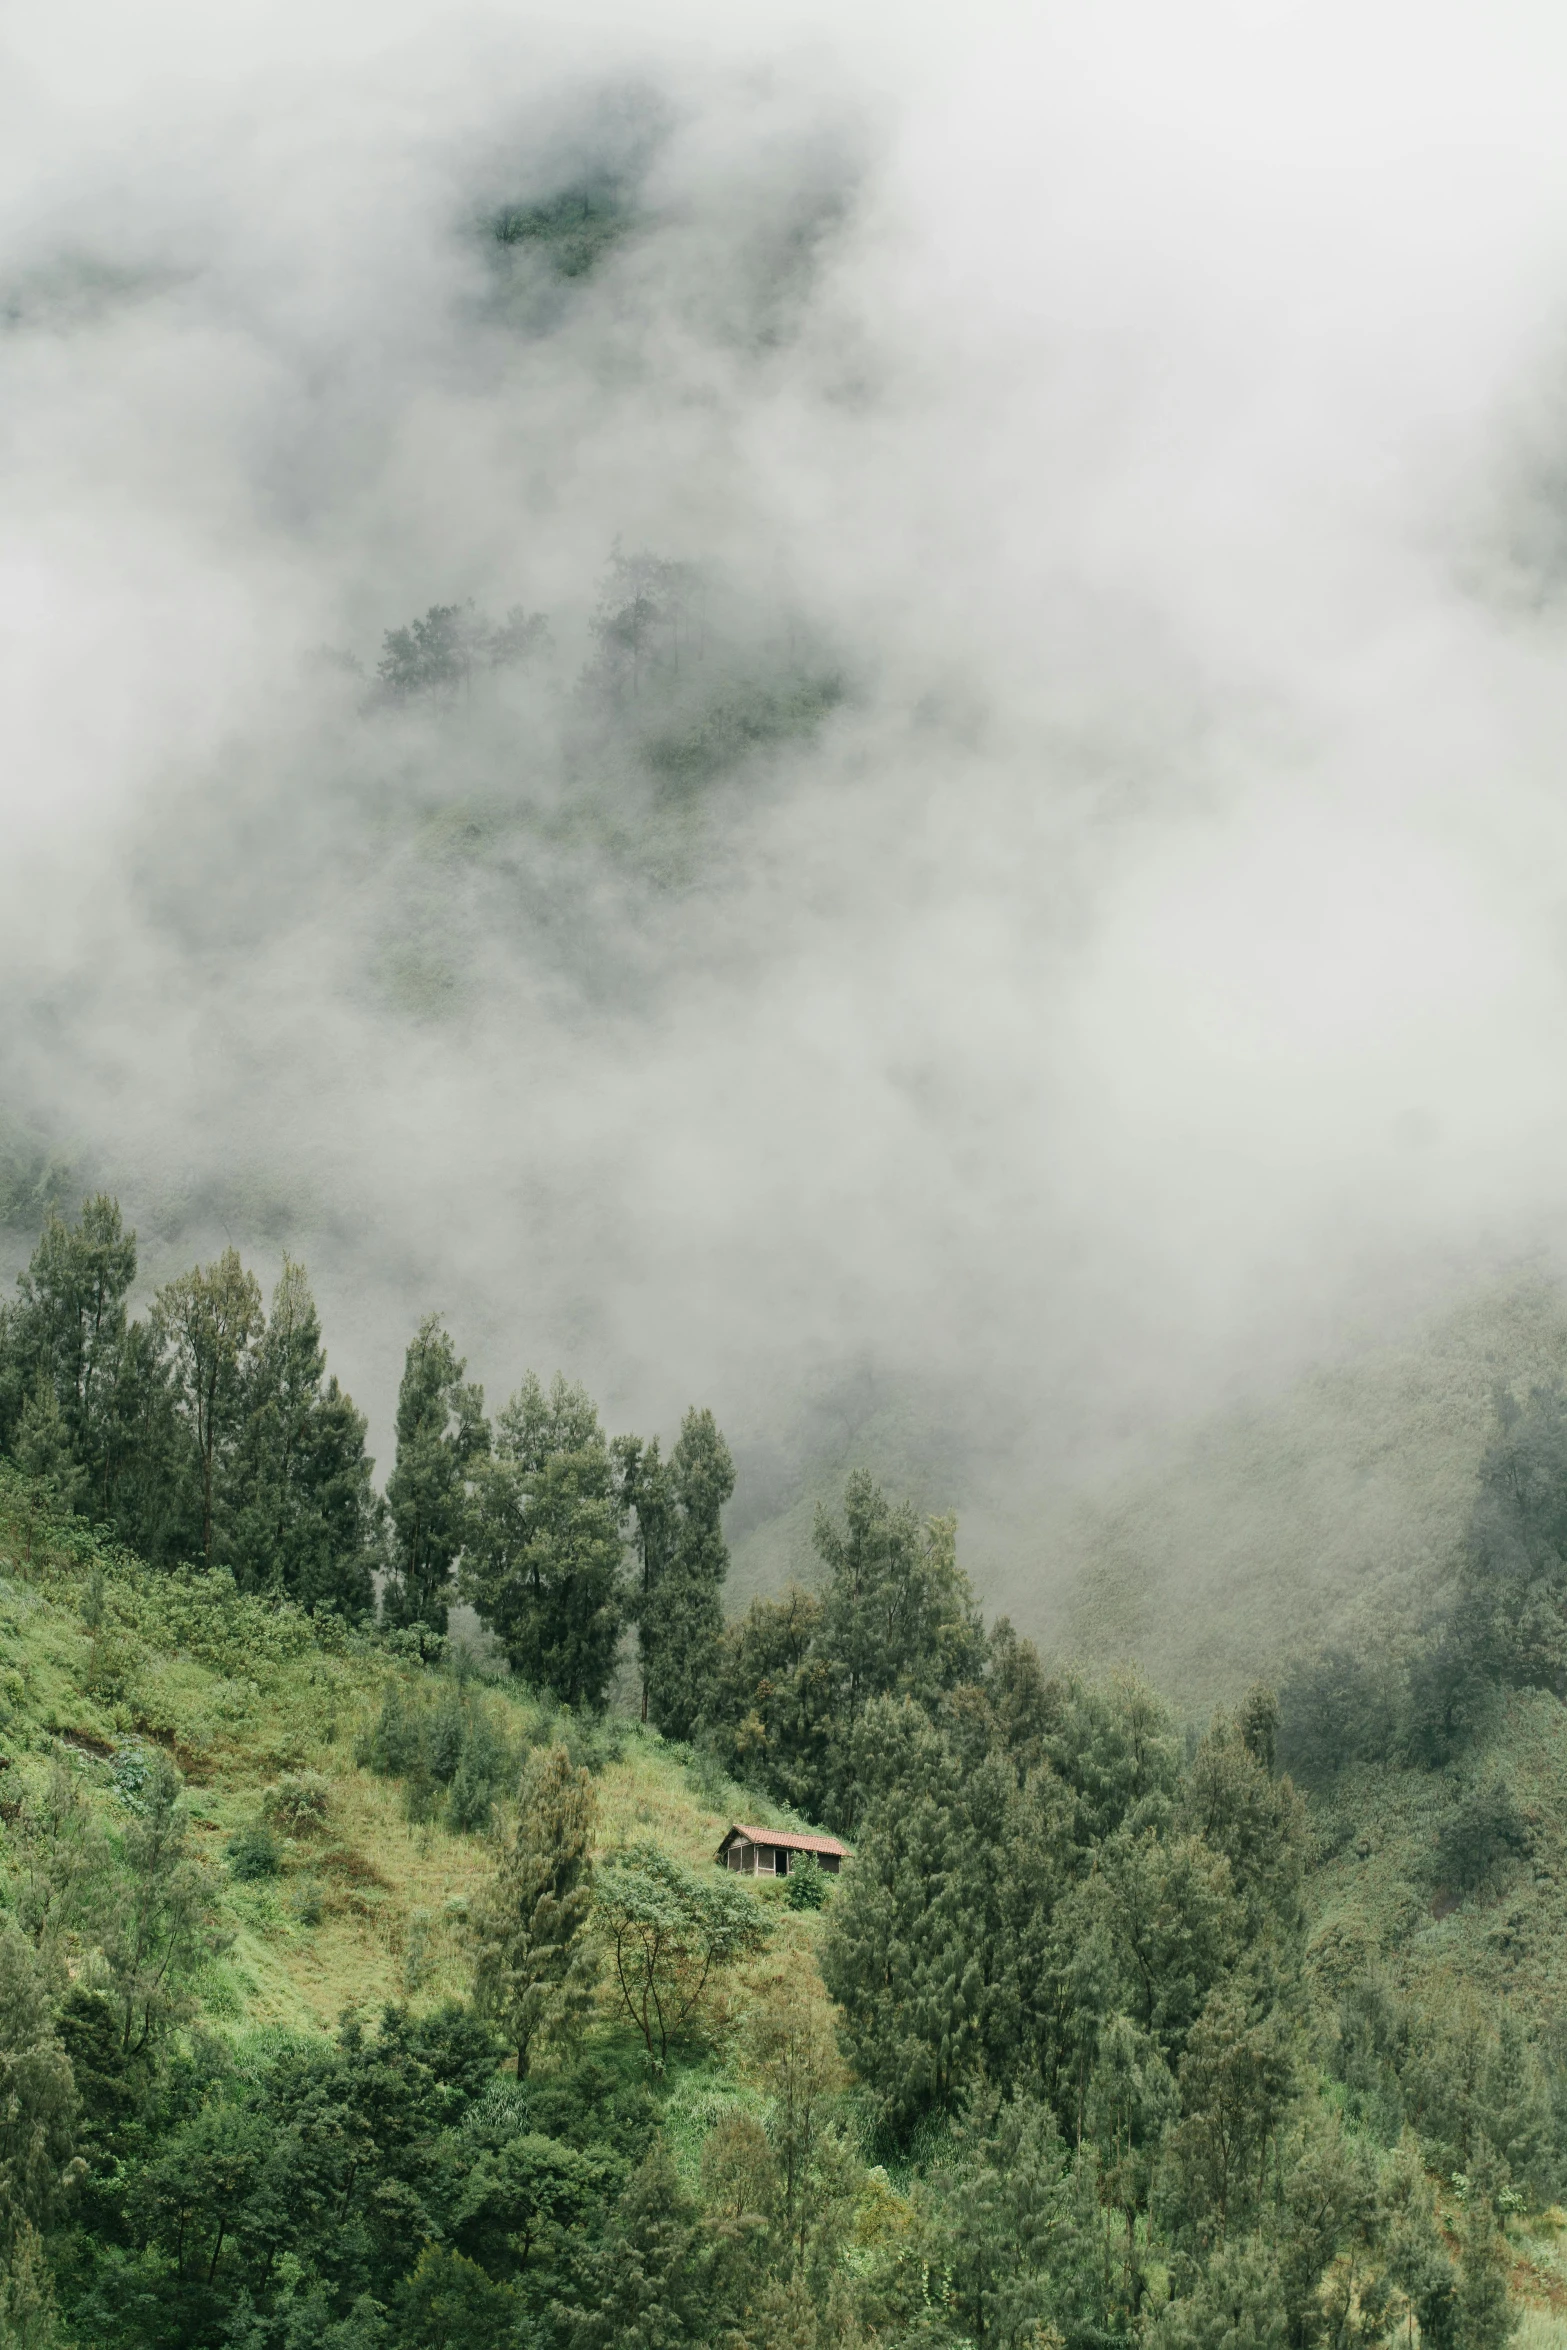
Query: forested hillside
point(368, 1979)
point(1337, 1505)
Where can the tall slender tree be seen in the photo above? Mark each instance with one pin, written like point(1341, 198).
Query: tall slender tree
point(645, 1499)
point(67, 1333)
point(300, 1517)
point(682, 1618)
point(900, 1617)
point(205, 1324)
point(441, 1434)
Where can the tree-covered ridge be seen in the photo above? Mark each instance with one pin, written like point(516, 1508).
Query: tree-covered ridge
point(1079, 2049)
point(1071, 2083)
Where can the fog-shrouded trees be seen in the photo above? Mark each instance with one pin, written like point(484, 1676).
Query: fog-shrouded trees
point(896, 1618)
point(38, 2100)
point(436, 657)
point(543, 1566)
point(204, 1323)
point(208, 1432)
point(677, 1603)
point(64, 1342)
point(300, 1513)
point(441, 1434)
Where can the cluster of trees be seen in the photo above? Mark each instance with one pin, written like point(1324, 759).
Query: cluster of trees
point(651, 616)
point(1063, 2078)
point(209, 1431)
point(435, 658)
point(691, 718)
point(1071, 2019)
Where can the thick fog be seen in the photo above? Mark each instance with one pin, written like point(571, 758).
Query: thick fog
point(1064, 918)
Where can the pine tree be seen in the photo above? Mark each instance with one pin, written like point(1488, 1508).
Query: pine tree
point(1487, 2320)
point(794, 2049)
point(544, 1564)
point(441, 1434)
point(916, 1949)
point(899, 1617)
point(157, 1931)
point(995, 2219)
point(645, 2286)
point(72, 1314)
point(534, 1965)
point(1236, 2300)
point(682, 1617)
point(62, 1353)
point(29, 2316)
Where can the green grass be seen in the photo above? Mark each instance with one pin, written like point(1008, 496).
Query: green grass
point(239, 1691)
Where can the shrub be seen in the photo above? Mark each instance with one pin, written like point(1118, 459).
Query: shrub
point(309, 1904)
point(477, 1780)
point(298, 1802)
point(808, 1882)
point(253, 1853)
point(394, 1746)
point(446, 1736)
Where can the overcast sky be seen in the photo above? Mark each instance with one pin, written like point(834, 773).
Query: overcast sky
point(1151, 973)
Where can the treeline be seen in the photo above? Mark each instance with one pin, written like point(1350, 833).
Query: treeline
point(206, 1431)
point(209, 1432)
point(1074, 2083)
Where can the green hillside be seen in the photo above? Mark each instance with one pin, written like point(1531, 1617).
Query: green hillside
point(355, 1989)
point(1329, 1515)
point(367, 1904)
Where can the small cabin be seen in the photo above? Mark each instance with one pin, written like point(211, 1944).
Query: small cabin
point(770, 1852)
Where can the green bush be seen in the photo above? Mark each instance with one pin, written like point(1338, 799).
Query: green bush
point(1334, 1709)
point(394, 1747)
point(808, 1882)
point(253, 1853)
point(298, 1802)
point(308, 1903)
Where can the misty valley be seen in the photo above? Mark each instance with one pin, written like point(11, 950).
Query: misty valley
point(783, 1177)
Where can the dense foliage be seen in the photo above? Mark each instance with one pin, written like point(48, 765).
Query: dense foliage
point(1050, 2064)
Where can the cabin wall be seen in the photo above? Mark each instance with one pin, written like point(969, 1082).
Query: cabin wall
point(750, 1860)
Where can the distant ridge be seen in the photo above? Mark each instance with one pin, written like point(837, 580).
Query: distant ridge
point(1330, 1515)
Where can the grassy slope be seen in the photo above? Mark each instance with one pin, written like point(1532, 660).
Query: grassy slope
point(1330, 1515)
point(238, 1697)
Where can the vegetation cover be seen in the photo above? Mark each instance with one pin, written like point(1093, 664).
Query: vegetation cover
point(365, 1979)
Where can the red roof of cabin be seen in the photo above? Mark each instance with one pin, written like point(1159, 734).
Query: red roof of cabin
point(789, 1842)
